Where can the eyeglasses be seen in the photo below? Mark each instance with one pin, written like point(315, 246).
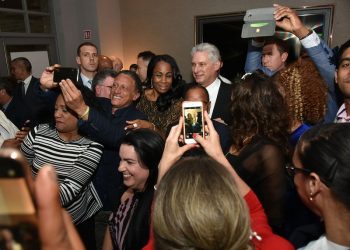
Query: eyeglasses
point(110, 87)
point(292, 169)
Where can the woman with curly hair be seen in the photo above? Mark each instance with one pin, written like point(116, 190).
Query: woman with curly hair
point(162, 101)
point(305, 93)
point(260, 142)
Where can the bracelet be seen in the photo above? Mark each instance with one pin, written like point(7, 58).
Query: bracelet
point(85, 113)
point(309, 33)
point(155, 187)
point(154, 126)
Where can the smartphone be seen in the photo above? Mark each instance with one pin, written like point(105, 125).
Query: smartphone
point(26, 124)
point(193, 120)
point(62, 73)
point(18, 221)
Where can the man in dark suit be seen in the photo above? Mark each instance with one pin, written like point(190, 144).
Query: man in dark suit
point(107, 128)
point(40, 103)
point(87, 59)
point(13, 107)
point(206, 64)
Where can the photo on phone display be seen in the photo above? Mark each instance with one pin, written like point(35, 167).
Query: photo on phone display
point(193, 120)
point(18, 221)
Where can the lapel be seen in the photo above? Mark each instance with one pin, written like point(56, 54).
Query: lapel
point(31, 87)
point(222, 104)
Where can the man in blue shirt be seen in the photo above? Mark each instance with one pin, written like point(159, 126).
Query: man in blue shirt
point(317, 49)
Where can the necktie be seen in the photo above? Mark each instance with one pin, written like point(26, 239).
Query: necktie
point(23, 89)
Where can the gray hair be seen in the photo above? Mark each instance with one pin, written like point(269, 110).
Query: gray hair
point(101, 76)
point(211, 49)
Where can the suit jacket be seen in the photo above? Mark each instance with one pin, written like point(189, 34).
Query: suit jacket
point(18, 112)
point(222, 104)
point(41, 103)
point(108, 129)
point(8, 126)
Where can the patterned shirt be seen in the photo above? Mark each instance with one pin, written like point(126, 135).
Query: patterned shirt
point(120, 220)
point(342, 115)
point(162, 120)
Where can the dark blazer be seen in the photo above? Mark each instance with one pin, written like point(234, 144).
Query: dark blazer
point(18, 112)
point(223, 103)
point(108, 129)
point(40, 103)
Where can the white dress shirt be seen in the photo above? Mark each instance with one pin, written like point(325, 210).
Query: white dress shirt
point(86, 81)
point(26, 83)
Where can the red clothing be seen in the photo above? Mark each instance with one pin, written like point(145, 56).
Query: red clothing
point(259, 224)
point(269, 240)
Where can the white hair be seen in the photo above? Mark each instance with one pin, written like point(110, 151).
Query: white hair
point(211, 49)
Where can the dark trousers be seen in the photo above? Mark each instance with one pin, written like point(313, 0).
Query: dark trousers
point(86, 231)
point(101, 224)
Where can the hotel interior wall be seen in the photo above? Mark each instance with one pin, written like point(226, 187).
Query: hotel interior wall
point(125, 27)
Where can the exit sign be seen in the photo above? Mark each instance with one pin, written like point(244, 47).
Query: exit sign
point(87, 34)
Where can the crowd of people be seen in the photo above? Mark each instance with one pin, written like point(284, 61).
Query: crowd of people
point(271, 171)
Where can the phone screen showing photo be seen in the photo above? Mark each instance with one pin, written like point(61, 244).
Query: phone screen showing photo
point(193, 117)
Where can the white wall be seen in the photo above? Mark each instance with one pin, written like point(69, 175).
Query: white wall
point(110, 28)
point(72, 17)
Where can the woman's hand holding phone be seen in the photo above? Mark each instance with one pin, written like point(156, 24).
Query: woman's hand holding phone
point(172, 150)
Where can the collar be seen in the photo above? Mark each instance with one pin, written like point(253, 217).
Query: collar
point(4, 107)
point(214, 85)
point(87, 82)
point(27, 80)
point(342, 115)
point(122, 111)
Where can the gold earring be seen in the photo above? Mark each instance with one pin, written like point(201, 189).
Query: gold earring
point(311, 199)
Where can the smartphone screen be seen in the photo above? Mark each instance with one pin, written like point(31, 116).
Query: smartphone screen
point(193, 120)
point(18, 221)
point(61, 73)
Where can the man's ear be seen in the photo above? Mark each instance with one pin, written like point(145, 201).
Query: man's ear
point(97, 90)
point(78, 60)
point(284, 56)
point(217, 65)
point(136, 96)
point(336, 76)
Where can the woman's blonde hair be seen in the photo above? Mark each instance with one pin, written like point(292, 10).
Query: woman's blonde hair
point(198, 206)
